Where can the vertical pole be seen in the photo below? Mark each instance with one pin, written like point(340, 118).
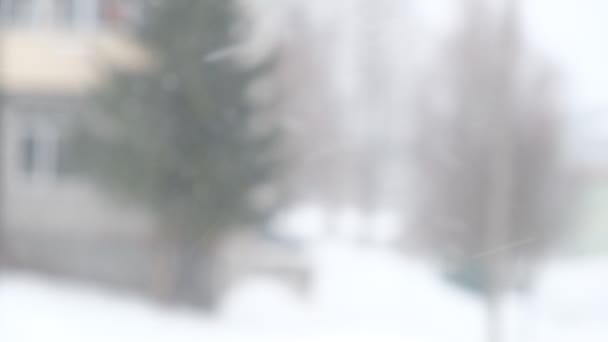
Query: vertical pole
point(3, 253)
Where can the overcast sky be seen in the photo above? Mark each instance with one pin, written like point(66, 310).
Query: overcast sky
point(575, 34)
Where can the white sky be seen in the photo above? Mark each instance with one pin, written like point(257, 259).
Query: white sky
point(570, 34)
point(574, 33)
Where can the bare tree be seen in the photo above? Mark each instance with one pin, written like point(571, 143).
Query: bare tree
point(308, 109)
point(374, 97)
point(493, 181)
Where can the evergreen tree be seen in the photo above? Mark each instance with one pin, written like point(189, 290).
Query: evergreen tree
point(183, 137)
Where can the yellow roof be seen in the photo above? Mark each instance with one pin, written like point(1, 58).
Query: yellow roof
point(63, 62)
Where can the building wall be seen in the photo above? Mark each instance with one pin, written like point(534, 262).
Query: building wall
point(54, 53)
point(39, 196)
point(63, 224)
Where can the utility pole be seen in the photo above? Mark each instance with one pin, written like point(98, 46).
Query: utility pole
point(3, 97)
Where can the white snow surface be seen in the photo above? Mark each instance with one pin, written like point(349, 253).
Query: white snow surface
point(359, 293)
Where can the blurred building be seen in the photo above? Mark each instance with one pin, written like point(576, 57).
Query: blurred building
point(53, 54)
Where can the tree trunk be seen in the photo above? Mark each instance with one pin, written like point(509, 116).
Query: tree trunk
point(194, 275)
point(494, 328)
point(529, 320)
point(3, 97)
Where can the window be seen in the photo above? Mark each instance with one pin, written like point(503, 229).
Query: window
point(70, 13)
point(65, 12)
point(17, 11)
point(41, 152)
point(120, 13)
point(29, 151)
point(111, 12)
point(63, 162)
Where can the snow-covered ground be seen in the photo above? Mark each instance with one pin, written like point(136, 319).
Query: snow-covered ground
point(359, 293)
